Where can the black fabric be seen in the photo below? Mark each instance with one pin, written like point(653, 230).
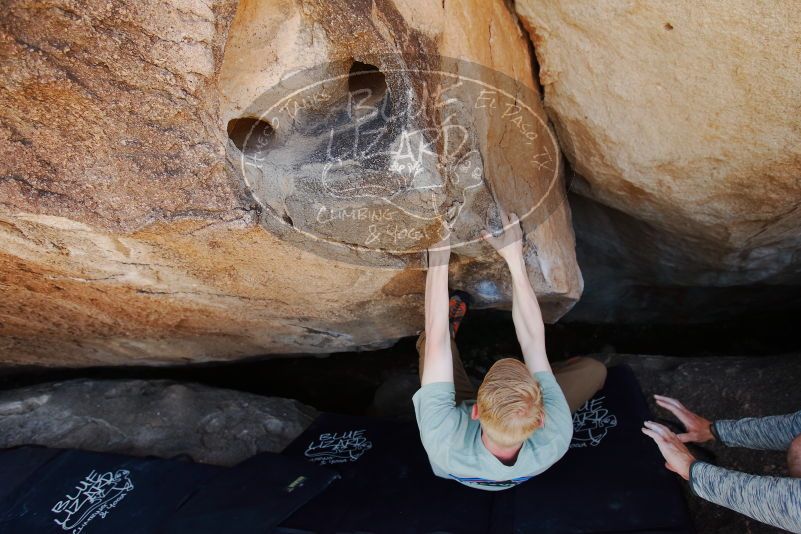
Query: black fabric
point(51, 490)
point(252, 497)
point(386, 486)
point(611, 480)
point(18, 464)
point(80, 491)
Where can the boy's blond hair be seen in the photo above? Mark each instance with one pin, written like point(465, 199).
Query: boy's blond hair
point(509, 403)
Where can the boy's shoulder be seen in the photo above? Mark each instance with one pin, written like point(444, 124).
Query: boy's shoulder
point(440, 419)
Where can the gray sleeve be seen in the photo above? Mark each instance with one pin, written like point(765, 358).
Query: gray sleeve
point(772, 500)
point(766, 433)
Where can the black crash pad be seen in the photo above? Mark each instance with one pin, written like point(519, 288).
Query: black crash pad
point(386, 485)
point(18, 464)
point(612, 479)
point(252, 497)
point(58, 491)
point(77, 491)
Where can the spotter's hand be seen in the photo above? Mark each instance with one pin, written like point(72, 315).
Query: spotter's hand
point(698, 428)
point(677, 458)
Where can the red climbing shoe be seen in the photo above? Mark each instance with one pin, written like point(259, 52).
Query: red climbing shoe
point(457, 309)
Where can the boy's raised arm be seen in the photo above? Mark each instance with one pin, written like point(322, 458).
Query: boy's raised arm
point(438, 365)
point(526, 313)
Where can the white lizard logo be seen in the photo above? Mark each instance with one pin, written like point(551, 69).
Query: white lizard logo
point(591, 423)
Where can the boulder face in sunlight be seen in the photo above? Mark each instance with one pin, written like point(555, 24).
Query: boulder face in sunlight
point(152, 213)
point(684, 118)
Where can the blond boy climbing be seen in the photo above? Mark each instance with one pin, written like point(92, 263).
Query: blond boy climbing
point(519, 422)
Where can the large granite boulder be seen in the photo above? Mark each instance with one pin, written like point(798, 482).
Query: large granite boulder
point(683, 117)
point(153, 211)
point(151, 418)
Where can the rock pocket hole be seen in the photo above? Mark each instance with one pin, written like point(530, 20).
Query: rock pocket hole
point(367, 84)
point(252, 136)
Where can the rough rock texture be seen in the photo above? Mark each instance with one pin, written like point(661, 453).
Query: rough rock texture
point(724, 388)
point(151, 418)
point(627, 280)
point(128, 232)
point(685, 116)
